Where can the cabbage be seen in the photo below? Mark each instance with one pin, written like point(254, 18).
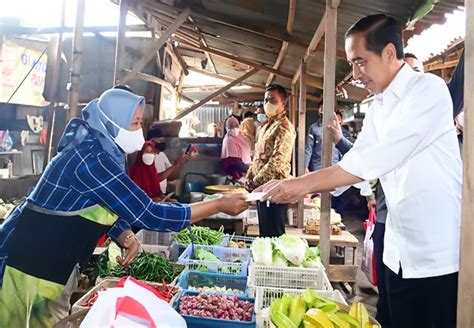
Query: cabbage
point(279, 260)
point(262, 251)
point(312, 259)
point(293, 248)
point(312, 263)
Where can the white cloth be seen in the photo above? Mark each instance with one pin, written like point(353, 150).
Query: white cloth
point(162, 163)
point(408, 140)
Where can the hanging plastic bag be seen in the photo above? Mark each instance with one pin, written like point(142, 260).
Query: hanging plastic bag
point(7, 142)
point(368, 256)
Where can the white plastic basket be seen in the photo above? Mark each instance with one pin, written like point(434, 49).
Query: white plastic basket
point(264, 297)
point(288, 277)
point(227, 256)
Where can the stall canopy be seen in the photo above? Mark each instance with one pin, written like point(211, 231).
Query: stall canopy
point(227, 38)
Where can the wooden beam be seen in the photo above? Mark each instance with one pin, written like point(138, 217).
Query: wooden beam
point(151, 51)
point(215, 94)
point(284, 47)
point(153, 79)
point(301, 137)
point(318, 34)
point(311, 80)
point(225, 78)
point(121, 41)
point(177, 57)
point(329, 97)
point(465, 313)
point(203, 42)
point(264, 28)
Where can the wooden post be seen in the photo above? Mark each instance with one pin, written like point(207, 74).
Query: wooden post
point(188, 110)
point(121, 40)
point(465, 317)
point(151, 51)
point(301, 136)
point(329, 96)
point(75, 75)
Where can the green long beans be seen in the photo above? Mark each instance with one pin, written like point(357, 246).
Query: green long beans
point(147, 266)
point(202, 236)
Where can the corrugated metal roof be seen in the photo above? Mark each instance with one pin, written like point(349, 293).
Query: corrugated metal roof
point(224, 25)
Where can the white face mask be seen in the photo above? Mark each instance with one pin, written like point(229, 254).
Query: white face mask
point(129, 141)
point(270, 109)
point(148, 158)
point(234, 131)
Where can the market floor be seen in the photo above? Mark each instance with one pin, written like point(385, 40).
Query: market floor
point(364, 292)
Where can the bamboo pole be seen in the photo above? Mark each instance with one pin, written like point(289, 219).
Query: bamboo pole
point(301, 136)
point(465, 314)
point(329, 96)
point(54, 87)
point(121, 41)
point(76, 63)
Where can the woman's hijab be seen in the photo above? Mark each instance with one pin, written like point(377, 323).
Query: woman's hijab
point(114, 105)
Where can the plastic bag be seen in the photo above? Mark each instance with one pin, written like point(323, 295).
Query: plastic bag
point(368, 256)
point(132, 306)
point(7, 142)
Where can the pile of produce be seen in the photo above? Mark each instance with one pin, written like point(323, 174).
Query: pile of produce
point(216, 289)
point(216, 306)
point(7, 206)
point(146, 266)
point(285, 251)
point(313, 227)
point(234, 244)
point(310, 311)
point(201, 235)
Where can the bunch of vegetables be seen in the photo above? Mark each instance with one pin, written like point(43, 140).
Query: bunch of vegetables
point(285, 251)
point(216, 306)
point(216, 289)
point(201, 236)
point(147, 266)
point(311, 311)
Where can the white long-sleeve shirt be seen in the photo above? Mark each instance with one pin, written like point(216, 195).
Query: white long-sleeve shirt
point(408, 141)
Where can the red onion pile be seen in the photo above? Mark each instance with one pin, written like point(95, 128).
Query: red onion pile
point(216, 306)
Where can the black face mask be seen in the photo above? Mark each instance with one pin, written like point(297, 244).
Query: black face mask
point(161, 146)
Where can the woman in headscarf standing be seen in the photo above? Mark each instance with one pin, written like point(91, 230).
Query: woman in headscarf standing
point(83, 193)
point(236, 153)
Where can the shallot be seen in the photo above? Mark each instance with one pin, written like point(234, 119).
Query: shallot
point(216, 306)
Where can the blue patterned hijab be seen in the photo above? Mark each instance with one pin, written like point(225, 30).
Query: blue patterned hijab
point(114, 105)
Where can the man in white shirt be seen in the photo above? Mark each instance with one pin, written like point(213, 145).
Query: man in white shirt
point(408, 141)
point(163, 165)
